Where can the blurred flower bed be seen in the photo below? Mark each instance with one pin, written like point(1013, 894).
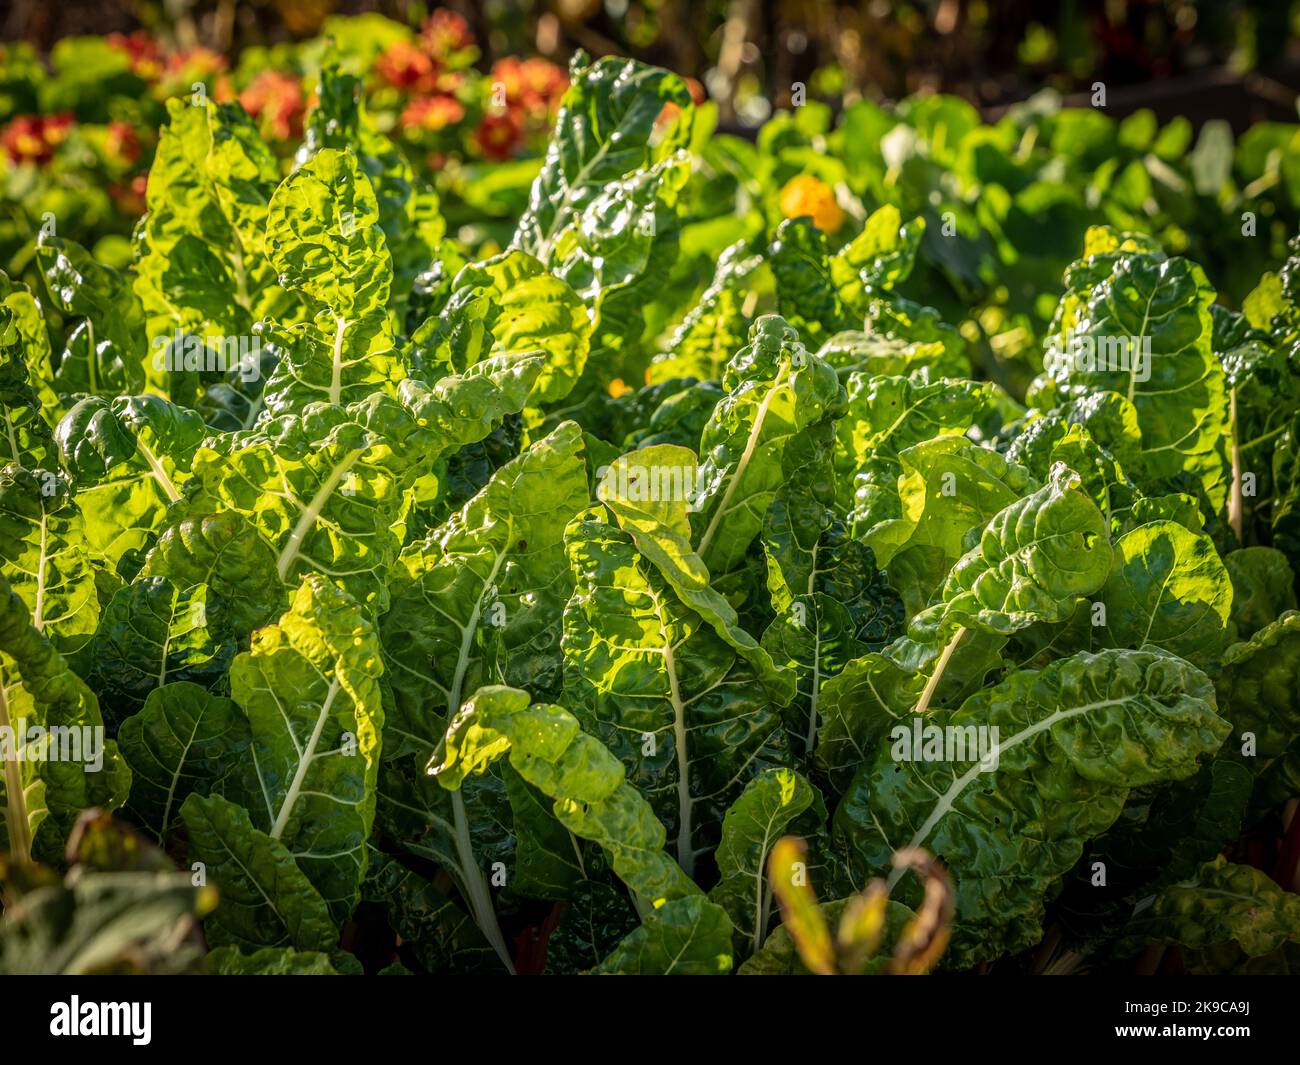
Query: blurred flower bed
point(1006, 202)
point(78, 128)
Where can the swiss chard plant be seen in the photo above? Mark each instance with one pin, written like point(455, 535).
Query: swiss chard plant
point(675, 590)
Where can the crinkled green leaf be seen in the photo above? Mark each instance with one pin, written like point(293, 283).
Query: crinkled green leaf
point(46, 557)
point(661, 687)
point(549, 749)
point(310, 691)
point(38, 687)
point(1181, 403)
point(266, 900)
point(1169, 588)
point(685, 937)
point(184, 741)
point(769, 805)
point(1032, 562)
point(1073, 740)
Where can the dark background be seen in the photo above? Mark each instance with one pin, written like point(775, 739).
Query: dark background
point(1236, 59)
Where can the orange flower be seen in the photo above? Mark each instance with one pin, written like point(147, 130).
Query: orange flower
point(450, 81)
point(130, 198)
point(445, 33)
point(807, 195)
point(405, 67)
point(142, 50)
point(432, 113)
point(498, 136)
point(544, 83)
point(223, 91)
point(122, 144)
point(276, 101)
point(534, 85)
point(196, 62)
point(33, 138)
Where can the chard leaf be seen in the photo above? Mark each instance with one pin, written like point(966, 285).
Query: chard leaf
point(885, 416)
point(817, 638)
point(39, 690)
point(879, 257)
point(266, 900)
point(479, 599)
point(184, 741)
point(152, 633)
point(1256, 690)
point(595, 919)
point(548, 860)
point(1222, 904)
point(46, 559)
point(946, 487)
point(1033, 562)
point(465, 832)
point(717, 326)
point(1263, 588)
point(660, 529)
point(769, 805)
point(322, 228)
point(661, 687)
point(807, 295)
point(26, 382)
point(775, 391)
point(103, 352)
point(548, 748)
point(510, 305)
point(129, 459)
point(438, 932)
point(409, 212)
point(223, 554)
point(877, 691)
point(203, 268)
point(602, 135)
point(1118, 292)
point(310, 691)
point(617, 257)
point(1073, 740)
point(1169, 588)
point(325, 241)
point(873, 355)
point(685, 937)
point(327, 488)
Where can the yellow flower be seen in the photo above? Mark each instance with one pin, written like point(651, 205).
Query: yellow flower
point(618, 387)
point(807, 195)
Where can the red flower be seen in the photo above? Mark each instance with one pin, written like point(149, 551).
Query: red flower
point(130, 198)
point(445, 33)
point(432, 113)
point(122, 144)
point(143, 52)
point(405, 67)
point(450, 81)
point(33, 138)
point(276, 101)
point(498, 136)
point(196, 62)
point(534, 85)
